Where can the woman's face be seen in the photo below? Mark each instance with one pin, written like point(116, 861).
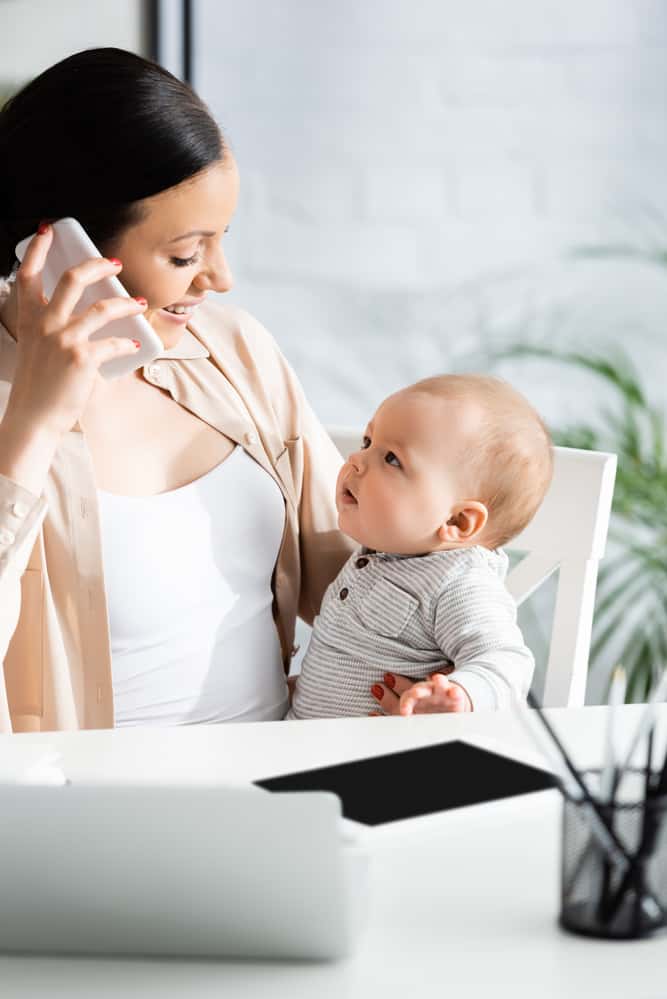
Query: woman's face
point(175, 256)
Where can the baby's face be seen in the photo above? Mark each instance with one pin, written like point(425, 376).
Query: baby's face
point(399, 488)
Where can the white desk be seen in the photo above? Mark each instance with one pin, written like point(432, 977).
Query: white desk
point(464, 904)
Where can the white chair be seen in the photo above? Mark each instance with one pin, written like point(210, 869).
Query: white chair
point(567, 534)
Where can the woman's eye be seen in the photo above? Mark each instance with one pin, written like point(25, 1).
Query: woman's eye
point(184, 261)
point(365, 442)
point(391, 459)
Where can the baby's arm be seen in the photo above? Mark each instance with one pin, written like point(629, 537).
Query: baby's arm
point(434, 695)
point(475, 626)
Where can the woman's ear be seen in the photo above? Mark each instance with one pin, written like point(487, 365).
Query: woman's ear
point(466, 522)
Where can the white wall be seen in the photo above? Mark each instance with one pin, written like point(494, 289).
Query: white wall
point(412, 172)
point(36, 33)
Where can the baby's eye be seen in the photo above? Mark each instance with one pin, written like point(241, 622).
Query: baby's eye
point(365, 442)
point(391, 459)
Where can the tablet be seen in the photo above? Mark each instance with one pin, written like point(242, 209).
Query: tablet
point(397, 786)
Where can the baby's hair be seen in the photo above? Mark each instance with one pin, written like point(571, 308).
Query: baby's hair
point(512, 464)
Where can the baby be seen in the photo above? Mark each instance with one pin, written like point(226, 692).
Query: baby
point(449, 470)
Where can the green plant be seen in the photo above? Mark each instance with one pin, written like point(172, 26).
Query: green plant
point(630, 624)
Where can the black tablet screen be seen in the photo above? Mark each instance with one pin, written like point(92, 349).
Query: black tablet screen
point(417, 781)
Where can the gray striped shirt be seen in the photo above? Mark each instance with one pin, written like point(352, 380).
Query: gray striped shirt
point(410, 615)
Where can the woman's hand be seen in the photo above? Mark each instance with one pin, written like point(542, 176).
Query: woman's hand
point(56, 363)
point(399, 695)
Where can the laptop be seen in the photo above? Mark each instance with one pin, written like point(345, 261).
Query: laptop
point(271, 870)
point(181, 870)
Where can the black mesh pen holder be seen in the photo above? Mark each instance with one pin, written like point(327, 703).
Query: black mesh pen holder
point(601, 897)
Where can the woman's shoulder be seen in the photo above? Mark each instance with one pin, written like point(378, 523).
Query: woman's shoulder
point(245, 351)
point(220, 323)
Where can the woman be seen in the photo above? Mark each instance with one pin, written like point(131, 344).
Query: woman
point(158, 532)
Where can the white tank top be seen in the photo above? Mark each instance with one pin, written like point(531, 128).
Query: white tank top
point(188, 582)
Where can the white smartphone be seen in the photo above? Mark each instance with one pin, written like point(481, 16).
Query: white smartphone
point(72, 245)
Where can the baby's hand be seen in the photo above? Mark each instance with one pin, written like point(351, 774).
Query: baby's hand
point(400, 696)
point(432, 695)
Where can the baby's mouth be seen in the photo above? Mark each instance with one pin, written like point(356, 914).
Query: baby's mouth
point(348, 496)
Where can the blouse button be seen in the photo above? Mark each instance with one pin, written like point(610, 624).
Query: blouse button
point(153, 372)
point(7, 538)
point(19, 509)
point(250, 439)
point(343, 593)
point(361, 563)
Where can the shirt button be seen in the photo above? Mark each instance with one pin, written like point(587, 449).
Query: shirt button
point(19, 509)
point(153, 372)
point(250, 439)
point(6, 537)
point(361, 563)
point(343, 593)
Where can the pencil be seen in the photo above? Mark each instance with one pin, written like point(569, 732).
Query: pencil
point(599, 825)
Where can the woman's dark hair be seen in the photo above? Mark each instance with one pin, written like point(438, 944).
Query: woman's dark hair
point(92, 136)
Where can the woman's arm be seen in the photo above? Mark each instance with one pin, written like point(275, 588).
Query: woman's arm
point(55, 368)
point(21, 516)
point(324, 549)
point(26, 453)
point(313, 458)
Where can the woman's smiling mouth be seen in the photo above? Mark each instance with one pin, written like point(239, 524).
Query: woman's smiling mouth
point(180, 312)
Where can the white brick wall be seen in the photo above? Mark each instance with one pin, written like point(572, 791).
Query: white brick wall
point(396, 155)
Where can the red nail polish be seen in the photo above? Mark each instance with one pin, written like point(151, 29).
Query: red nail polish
point(141, 301)
point(137, 343)
point(115, 261)
point(377, 691)
point(42, 228)
point(390, 680)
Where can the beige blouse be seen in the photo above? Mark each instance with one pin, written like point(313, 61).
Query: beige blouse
point(54, 633)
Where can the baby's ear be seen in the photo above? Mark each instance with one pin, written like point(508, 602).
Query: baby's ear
point(466, 522)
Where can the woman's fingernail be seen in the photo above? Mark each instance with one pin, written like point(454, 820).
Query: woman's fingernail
point(141, 301)
point(390, 680)
point(377, 691)
point(137, 343)
point(43, 228)
point(115, 261)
